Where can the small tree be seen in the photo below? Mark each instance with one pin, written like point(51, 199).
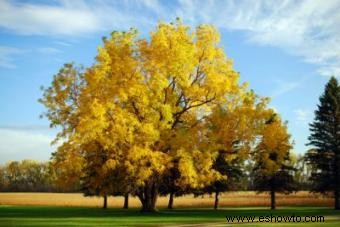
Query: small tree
point(234, 131)
point(325, 138)
point(273, 171)
point(232, 169)
point(96, 181)
point(169, 185)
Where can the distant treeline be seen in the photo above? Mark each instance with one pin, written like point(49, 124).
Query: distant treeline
point(31, 176)
point(38, 176)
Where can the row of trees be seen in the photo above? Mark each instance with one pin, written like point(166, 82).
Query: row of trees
point(34, 176)
point(26, 175)
point(164, 115)
point(39, 176)
point(31, 176)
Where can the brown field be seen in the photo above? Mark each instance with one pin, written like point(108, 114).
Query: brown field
point(226, 199)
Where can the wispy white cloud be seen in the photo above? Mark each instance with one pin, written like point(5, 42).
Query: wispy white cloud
point(73, 17)
point(306, 28)
point(18, 143)
point(284, 87)
point(63, 43)
point(48, 50)
point(62, 19)
point(303, 116)
point(26, 127)
point(7, 56)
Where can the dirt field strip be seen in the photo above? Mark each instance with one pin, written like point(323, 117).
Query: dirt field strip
point(239, 199)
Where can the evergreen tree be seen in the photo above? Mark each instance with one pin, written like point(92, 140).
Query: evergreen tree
point(280, 181)
point(232, 169)
point(325, 138)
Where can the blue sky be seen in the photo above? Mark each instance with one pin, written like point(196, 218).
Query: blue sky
point(286, 50)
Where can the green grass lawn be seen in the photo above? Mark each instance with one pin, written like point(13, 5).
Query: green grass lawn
point(73, 216)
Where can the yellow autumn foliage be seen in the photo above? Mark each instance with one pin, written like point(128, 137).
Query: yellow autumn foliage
point(147, 105)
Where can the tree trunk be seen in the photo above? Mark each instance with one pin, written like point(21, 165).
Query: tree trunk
point(126, 201)
point(336, 199)
point(272, 199)
point(171, 200)
point(105, 202)
point(216, 200)
point(337, 183)
point(148, 197)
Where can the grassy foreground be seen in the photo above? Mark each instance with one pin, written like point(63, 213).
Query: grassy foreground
point(82, 216)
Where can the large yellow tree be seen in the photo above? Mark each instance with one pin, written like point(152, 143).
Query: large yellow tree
point(143, 108)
